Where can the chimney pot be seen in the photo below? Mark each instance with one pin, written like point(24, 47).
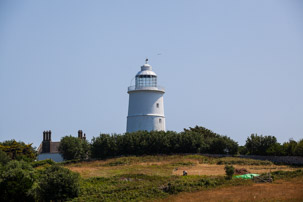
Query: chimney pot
point(50, 135)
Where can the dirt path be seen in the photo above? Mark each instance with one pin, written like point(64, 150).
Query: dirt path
point(281, 190)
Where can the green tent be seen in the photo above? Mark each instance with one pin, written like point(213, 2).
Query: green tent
point(246, 176)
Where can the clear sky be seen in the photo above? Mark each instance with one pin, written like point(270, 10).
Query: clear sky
point(235, 67)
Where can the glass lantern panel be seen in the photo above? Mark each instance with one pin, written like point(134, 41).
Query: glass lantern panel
point(146, 81)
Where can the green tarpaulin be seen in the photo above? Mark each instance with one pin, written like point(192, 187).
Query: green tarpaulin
point(246, 176)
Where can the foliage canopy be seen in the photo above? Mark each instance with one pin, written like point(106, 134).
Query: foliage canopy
point(193, 140)
point(57, 183)
point(74, 148)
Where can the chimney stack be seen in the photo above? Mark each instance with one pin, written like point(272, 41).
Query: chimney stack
point(80, 134)
point(50, 135)
point(46, 141)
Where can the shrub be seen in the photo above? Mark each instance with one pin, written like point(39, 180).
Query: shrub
point(57, 183)
point(43, 162)
point(286, 174)
point(229, 170)
point(16, 180)
point(3, 158)
point(19, 150)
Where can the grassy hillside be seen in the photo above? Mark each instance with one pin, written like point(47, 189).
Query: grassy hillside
point(154, 177)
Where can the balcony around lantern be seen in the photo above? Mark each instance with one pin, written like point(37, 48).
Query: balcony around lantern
point(142, 87)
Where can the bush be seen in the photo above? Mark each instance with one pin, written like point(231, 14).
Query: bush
point(286, 174)
point(74, 148)
point(43, 162)
point(18, 150)
point(57, 183)
point(3, 158)
point(229, 170)
point(16, 181)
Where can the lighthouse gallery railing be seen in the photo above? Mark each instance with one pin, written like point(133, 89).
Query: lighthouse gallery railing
point(160, 88)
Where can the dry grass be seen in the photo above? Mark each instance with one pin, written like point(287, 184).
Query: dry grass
point(162, 171)
point(162, 166)
point(211, 169)
point(280, 190)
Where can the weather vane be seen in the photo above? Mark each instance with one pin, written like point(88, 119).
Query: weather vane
point(146, 60)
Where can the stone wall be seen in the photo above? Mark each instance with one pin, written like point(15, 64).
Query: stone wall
point(290, 160)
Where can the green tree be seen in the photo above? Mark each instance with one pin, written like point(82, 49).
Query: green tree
point(242, 150)
point(289, 148)
point(104, 146)
point(275, 150)
point(57, 184)
point(259, 144)
point(16, 181)
point(299, 148)
point(74, 148)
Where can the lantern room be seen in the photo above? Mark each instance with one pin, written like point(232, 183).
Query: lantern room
point(146, 77)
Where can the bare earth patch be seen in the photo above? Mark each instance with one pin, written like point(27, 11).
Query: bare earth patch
point(280, 190)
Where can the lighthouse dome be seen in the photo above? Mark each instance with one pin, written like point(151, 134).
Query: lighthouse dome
point(146, 69)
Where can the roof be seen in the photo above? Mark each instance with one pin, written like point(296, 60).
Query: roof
point(146, 69)
point(54, 146)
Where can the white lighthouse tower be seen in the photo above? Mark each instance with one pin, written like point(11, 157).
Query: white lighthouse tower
point(146, 108)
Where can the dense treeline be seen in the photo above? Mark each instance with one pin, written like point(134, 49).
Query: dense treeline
point(268, 145)
point(193, 140)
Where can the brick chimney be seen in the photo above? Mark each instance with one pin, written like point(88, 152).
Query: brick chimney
point(81, 135)
point(47, 136)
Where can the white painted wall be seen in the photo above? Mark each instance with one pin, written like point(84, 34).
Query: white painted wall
point(145, 110)
point(55, 157)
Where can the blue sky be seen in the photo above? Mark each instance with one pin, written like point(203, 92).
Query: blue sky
point(235, 67)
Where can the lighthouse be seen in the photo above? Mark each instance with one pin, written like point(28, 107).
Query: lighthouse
point(146, 108)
